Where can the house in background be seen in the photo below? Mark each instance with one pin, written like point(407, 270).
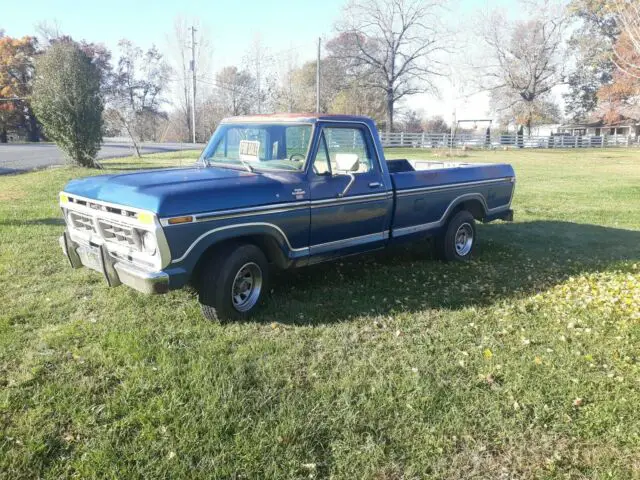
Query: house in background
point(625, 127)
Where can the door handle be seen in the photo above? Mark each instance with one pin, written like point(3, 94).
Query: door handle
point(375, 185)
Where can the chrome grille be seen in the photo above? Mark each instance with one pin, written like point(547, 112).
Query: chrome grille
point(118, 233)
point(81, 222)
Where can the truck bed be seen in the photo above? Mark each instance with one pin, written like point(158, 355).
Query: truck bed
point(426, 191)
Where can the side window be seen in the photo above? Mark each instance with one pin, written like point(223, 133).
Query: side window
point(348, 140)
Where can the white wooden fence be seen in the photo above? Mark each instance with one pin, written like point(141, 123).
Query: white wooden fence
point(445, 140)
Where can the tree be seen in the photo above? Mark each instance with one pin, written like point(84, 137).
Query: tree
point(620, 98)
point(627, 51)
point(100, 55)
point(592, 46)
point(16, 81)
point(412, 121)
point(392, 47)
point(525, 60)
point(435, 124)
point(540, 111)
point(68, 101)
point(256, 61)
point(235, 90)
point(136, 93)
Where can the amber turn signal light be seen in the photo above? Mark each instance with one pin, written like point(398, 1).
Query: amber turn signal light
point(176, 220)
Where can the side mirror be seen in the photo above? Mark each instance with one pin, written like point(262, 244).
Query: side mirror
point(347, 162)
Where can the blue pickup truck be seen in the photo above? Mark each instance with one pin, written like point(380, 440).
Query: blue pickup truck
point(273, 191)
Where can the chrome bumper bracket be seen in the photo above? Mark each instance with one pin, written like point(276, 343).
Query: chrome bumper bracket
point(116, 273)
point(69, 249)
point(108, 268)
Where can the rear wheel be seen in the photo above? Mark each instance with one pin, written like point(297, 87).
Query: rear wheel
point(456, 243)
point(233, 283)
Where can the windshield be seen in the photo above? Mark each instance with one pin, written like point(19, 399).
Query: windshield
point(272, 146)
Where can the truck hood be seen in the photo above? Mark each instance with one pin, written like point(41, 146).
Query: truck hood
point(180, 191)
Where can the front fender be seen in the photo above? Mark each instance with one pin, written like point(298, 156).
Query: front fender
point(190, 255)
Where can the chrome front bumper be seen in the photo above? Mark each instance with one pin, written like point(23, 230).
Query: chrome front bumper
point(97, 258)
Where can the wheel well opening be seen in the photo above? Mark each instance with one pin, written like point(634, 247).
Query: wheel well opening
point(474, 207)
point(266, 243)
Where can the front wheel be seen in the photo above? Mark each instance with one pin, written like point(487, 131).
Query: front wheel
point(457, 241)
point(233, 283)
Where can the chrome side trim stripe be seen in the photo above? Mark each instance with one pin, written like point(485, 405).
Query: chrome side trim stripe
point(245, 212)
point(398, 232)
point(414, 191)
point(280, 208)
point(322, 247)
point(349, 242)
point(239, 225)
point(331, 202)
point(291, 206)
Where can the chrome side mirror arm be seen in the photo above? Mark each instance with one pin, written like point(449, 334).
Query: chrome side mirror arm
point(352, 178)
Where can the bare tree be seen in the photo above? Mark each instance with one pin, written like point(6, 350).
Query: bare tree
point(136, 95)
point(48, 31)
point(393, 46)
point(179, 57)
point(284, 94)
point(256, 61)
point(524, 60)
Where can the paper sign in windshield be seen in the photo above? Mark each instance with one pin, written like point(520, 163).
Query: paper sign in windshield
point(249, 150)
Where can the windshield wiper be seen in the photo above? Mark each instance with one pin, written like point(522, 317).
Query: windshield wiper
point(243, 164)
point(246, 164)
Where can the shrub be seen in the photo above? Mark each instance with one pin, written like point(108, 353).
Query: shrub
point(68, 102)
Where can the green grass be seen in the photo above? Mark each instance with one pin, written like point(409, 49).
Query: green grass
point(523, 363)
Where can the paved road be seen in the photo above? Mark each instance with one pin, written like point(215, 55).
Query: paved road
point(20, 157)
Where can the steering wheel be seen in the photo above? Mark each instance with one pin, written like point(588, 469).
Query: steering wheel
point(302, 157)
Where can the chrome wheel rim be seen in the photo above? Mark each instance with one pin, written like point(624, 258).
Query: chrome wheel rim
point(464, 239)
point(246, 287)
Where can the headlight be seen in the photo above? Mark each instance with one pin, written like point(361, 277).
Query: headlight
point(149, 243)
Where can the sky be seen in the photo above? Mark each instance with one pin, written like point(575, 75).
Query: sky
point(231, 26)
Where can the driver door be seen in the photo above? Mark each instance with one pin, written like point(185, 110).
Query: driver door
point(350, 210)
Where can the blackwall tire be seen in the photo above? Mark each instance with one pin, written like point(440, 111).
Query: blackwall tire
point(233, 283)
point(457, 242)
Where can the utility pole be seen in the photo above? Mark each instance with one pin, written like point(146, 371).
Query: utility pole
point(318, 78)
point(193, 88)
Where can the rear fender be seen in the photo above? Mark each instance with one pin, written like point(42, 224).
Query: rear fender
point(474, 203)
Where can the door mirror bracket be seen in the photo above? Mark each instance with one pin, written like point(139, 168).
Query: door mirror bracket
point(352, 178)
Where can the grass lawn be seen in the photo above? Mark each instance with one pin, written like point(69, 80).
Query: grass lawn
point(524, 363)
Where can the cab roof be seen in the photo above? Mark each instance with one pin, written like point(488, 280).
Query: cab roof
point(297, 117)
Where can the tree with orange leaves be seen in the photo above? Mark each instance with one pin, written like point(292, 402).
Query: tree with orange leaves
point(16, 78)
point(620, 99)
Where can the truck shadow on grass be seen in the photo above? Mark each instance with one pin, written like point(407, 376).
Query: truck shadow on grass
point(511, 260)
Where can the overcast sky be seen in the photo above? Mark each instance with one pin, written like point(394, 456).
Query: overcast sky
point(231, 27)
